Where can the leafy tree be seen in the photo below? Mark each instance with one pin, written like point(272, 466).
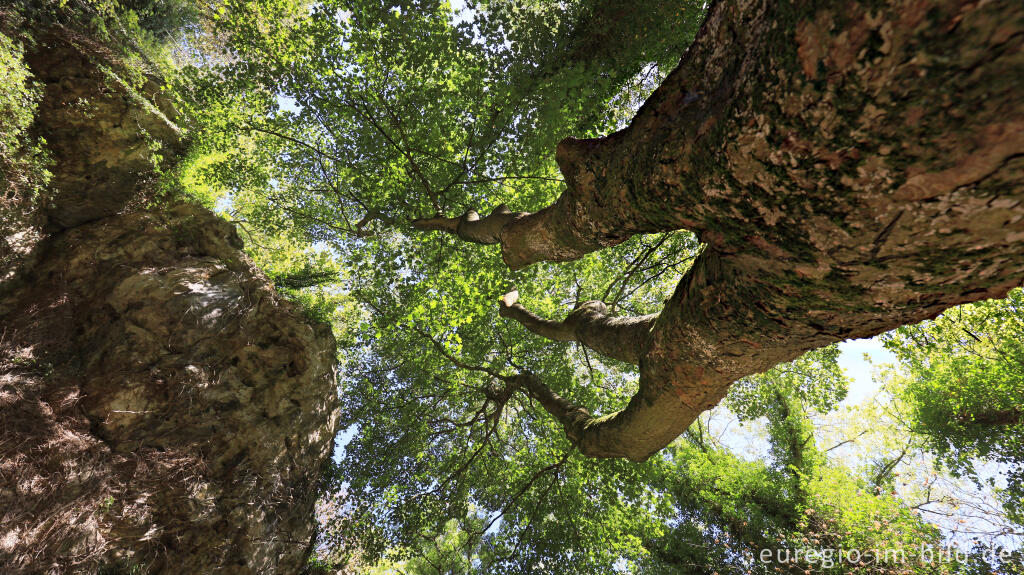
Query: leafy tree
point(23, 160)
point(964, 387)
point(797, 507)
point(400, 113)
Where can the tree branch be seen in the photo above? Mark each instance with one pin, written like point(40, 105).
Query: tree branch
point(573, 418)
point(470, 226)
point(510, 307)
point(620, 338)
point(317, 152)
point(796, 151)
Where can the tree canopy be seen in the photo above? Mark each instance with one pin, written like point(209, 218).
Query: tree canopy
point(963, 387)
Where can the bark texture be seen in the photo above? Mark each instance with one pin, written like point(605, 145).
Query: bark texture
point(589, 324)
point(851, 167)
point(162, 409)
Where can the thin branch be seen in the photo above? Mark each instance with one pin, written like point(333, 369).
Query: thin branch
point(844, 442)
point(298, 142)
point(540, 473)
point(506, 178)
point(456, 361)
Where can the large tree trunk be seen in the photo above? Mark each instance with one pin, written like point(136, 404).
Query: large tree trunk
point(852, 167)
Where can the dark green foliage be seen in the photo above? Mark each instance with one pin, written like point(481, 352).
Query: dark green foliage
point(23, 158)
point(166, 18)
point(305, 277)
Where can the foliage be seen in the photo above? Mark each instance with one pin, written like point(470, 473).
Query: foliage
point(143, 39)
point(23, 159)
point(964, 387)
point(796, 506)
point(333, 125)
point(161, 18)
point(391, 112)
point(396, 114)
point(814, 379)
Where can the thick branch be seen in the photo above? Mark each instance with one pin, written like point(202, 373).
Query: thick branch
point(847, 169)
point(837, 196)
point(470, 226)
point(620, 338)
point(572, 417)
point(510, 307)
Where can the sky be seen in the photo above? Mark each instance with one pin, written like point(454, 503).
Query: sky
point(858, 367)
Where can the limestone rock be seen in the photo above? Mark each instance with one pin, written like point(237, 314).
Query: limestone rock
point(106, 134)
point(162, 408)
point(159, 403)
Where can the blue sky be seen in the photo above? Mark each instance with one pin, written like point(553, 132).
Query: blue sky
point(852, 360)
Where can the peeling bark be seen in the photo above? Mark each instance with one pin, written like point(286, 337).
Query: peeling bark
point(851, 168)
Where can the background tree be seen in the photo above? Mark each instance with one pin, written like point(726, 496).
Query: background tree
point(964, 388)
point(796, 504)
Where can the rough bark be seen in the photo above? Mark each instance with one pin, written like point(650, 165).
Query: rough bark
point(572, 417)
point(851, 167)
point(162, 409)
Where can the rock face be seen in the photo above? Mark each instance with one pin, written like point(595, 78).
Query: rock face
point(100, 130)
point(162, 409)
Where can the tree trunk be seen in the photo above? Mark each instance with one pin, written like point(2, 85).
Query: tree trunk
point(851, 167)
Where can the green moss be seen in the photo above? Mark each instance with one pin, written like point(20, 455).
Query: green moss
point(121, 567)
point(143, 33)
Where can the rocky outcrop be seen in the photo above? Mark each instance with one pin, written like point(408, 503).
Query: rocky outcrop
point(105, 134)
point(162, 409)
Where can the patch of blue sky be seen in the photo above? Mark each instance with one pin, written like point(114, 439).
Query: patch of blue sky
point(461, 13)
point(859, 358)
point(223, 204)
point(287, 103)
point(341, 440)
